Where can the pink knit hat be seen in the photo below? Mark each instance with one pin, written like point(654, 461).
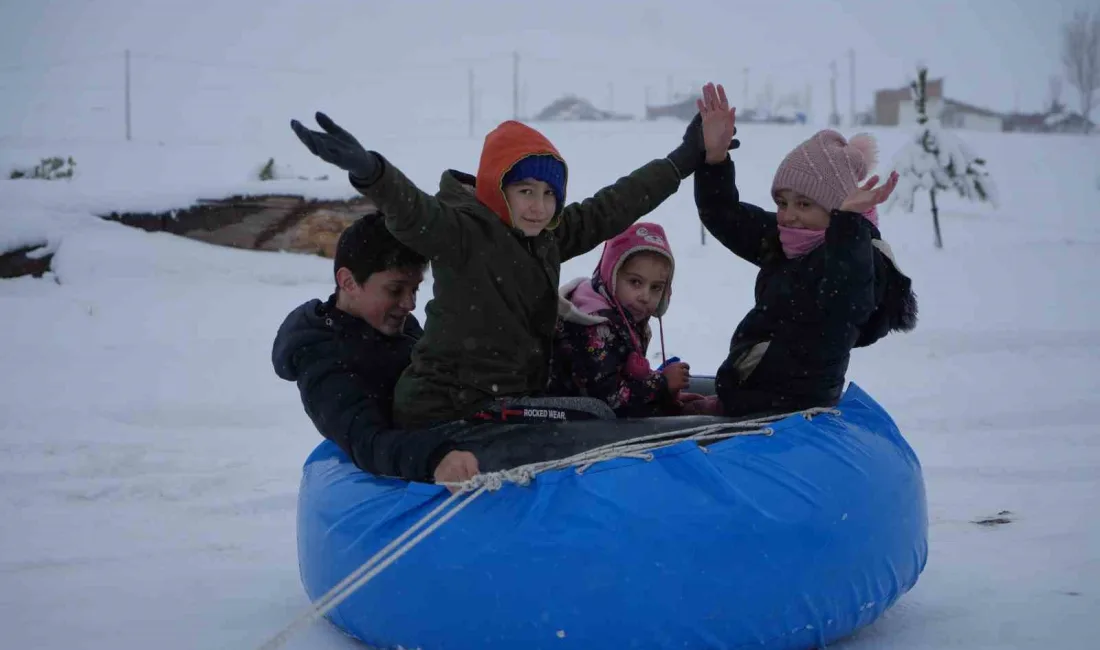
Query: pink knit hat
point(826, 167)
point(636, 238)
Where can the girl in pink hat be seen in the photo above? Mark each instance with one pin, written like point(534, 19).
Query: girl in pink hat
point(602, 337)
point(827, 283)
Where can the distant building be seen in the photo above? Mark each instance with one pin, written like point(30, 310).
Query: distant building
point(574, 109)
point(1054, 120)
point(895, 107)
point(959, 115)
point(784, 115)
point(1068, 123)
point(1026, 122)
point(888, 102)
point(683, 109)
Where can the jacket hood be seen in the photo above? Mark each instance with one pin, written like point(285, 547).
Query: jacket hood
point(457, 188)
point(898, 310)
point(505, 146)
point(578, 302)
point(316, 322)
point(302, 327)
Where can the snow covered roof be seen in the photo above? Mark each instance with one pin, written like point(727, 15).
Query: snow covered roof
point(963, 107)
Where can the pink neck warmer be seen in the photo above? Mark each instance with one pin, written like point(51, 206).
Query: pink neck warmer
point(801, 241)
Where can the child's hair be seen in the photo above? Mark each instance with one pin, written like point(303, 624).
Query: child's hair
point(366, 247)
point(646, 253)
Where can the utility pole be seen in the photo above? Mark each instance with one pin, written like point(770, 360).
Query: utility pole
point(834, 117)
point(852, 77)
point(610, 96)
point(470, 90)
point(515, 86)
point(745, 94)
point(126, 67)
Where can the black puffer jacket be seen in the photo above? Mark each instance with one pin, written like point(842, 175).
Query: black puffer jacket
point(346, 371)
point(811, 311)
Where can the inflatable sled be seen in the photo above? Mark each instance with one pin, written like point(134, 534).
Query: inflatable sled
point(791, 538)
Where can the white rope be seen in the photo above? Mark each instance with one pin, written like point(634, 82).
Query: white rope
point(369, 569)
point(640, 448)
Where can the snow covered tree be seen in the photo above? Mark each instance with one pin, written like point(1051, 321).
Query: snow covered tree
point(935, 160)
point(1081, 57)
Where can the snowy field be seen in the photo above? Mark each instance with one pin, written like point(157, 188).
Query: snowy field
point(150, 457)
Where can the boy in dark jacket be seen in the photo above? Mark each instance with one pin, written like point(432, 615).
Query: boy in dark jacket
point(827, 281)
point(346, 354)
point(496, 243)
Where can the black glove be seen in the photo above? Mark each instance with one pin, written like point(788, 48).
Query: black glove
point(691, 153)
point(340, 148)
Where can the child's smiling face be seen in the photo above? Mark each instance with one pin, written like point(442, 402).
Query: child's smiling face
point(385, 299)
point(798, 211)
point(532, 204)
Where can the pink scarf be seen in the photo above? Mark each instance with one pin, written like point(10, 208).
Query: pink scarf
point(801, 241)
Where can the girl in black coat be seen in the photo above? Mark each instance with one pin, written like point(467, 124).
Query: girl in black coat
point(827, 281)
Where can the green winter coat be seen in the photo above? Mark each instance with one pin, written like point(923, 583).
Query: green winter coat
point(490, 325)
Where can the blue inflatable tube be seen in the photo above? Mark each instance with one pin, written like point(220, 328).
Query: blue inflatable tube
point(791, 540)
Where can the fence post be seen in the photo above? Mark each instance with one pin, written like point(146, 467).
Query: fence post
point(127, 91)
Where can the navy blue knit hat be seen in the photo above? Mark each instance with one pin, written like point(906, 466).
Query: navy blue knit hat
point(540, 167)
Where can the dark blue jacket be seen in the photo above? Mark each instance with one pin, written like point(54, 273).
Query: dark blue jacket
point(346, 371)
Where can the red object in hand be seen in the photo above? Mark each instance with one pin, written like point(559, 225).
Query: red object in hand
point(637, 366)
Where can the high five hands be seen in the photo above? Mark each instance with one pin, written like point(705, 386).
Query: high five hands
point(719, 123)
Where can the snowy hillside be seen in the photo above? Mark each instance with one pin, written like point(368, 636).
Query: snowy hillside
point(151, 457)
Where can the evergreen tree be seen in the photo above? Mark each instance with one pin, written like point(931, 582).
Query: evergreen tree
point(935, 160)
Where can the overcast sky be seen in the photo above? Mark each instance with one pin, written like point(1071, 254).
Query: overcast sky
point(994, 53)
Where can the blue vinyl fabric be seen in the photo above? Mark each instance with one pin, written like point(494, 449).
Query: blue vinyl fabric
point(792, 540)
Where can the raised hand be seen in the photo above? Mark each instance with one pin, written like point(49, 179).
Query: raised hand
point(338, 147)
point(695, 148)
point(865, 197)
point(718, 123)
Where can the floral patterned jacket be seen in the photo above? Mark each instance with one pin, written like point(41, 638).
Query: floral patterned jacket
point(590, 360)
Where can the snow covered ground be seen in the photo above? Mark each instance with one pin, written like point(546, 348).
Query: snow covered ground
point(150, 457)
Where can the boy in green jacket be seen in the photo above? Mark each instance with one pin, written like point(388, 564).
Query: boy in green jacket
point(496, 243)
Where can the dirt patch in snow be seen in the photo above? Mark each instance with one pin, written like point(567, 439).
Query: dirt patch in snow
point(275, 222)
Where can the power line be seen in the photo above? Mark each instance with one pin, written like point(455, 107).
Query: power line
point(64, 63)
point(32, 85)
point(164, 58)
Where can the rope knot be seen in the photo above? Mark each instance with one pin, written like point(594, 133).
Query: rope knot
point(820, 410)
point(521, 476)
point(491, 481)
